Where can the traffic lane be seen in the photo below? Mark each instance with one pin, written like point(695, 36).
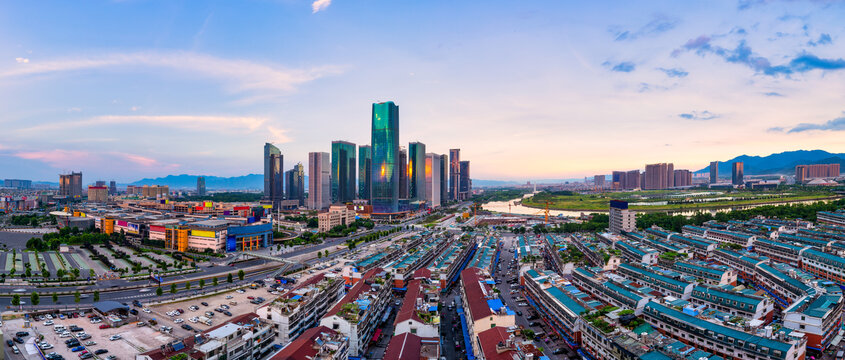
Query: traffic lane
point(452, 332)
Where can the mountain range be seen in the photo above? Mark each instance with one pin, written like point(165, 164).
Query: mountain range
point(780, 163)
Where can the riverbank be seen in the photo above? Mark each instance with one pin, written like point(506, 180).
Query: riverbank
point(681, 208)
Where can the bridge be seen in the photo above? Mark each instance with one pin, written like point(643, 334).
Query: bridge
point(287, 264)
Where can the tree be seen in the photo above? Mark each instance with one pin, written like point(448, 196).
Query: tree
point(172, 288)
point(91, 273)
point(16, 300)
point(202, 283)
point(96, 295)
point(59, 273)
point(229, 278)
point(319, 255)
point(326, 254)
point(76, 296)
point(34, 298)
point(28, 272)
point(214, 281)
point(188, 285)
point(55, 298)
point(45, 273)
point(159, 291)
point(75, 273)
point(240, 274)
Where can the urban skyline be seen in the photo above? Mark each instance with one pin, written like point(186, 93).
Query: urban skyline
point(675, 72)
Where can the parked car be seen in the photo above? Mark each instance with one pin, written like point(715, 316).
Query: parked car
point(227, 313)
point(105, 326)
point(187, 327)
point(77, 349)
point(147, 310)
point(21, 334)
point(18, 340)
point(100, 351)
point(204, 303)
point(10, 343)
point(115, 337)
point(86, 356)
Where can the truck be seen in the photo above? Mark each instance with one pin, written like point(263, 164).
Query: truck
point(204, 320)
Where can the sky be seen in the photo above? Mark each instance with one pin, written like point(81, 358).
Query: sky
point(123, 90)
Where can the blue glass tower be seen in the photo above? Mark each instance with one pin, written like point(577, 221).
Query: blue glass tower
point(384, 175)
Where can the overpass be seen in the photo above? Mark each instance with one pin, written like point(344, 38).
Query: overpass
point(287, 264)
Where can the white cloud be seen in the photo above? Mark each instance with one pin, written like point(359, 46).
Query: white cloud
point(278, 135)
point(21, 60)
point(320, 5)
point(193, 122)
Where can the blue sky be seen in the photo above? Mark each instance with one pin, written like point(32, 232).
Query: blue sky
point(543, 89)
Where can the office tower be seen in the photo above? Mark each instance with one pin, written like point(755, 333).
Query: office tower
point(365, 163)
point(273, 165)
point(621, 219)
point(200, 185)
point(598, 180)
point(97, 193)
point(343, 171)
point(99, 183)
point(112, 187)
point(466, 181)
point(70, 185)
point(384, 178)
point(617, 180)
point(454, 173)
point(416, 171)
point(319, 180)
point(806, 172)
point(659, 176)
point(403, 174)
point(444, 178)
point(714, 172)
point(295, 184)
point(737, 173)
point(683, 177)
point(433, 179)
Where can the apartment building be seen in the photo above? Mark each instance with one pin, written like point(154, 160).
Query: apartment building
point(783, 288)
point(744, 304)
point(410, 346)
point(360, 312)
point(609, 291)
point(824, 265)
point(303, 307)
point(779, 251)
point(818, 316)
point(544, 293)
point(316, 343)
point(666, 285)
point(706, 273)
point(482, 306)
point(636, 252)
point(419, 313)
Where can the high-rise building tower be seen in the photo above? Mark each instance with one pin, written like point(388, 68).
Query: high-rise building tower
point(295, 184)
point(714, 172)
point(466, 181)
point(343, 172)
point(200, 185)
point(365, 166)
point(100, 183)
point(112, 187)
point(737, 173)
point(433, 179)
point(416, 171)
point(659, 176)
point(598, 180)
point(70, 185)
point(403, 173)
point(273, 165)
point(621, 219)
point(385, 165)
point(454, 173)
point(319, 180)
point(683, 177)
point(444, 178)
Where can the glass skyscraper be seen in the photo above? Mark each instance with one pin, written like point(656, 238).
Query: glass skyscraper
point(416, 171)
point(273, 162)
point(385, 165)
point(343, 171)
point(295, 184)
point(365, 159)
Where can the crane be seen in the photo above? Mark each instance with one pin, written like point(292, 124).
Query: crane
point(545, 211)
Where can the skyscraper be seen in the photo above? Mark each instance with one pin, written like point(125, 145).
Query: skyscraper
point(70, 185)
point(737, 173)
point(683, 177)
point(659, 176)
point(365, 164)
point(454, 173)
point(416, 171)
point(444, 178)
point(403, 173)
point(200, 185)
point(598, 180)
point(385, 164)
point(112, 187)
point(714, 172)
point(633, 180)
point(466, 181)
point(343, 171)
point(617, 180)
point(319, 180)
point(273, 165)
point(621, 219)
point(295, 184)
point(100, 183)
point(433, 179)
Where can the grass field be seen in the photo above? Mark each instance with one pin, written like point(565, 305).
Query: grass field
point(669, 200)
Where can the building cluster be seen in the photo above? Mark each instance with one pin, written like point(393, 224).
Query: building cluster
point(655, 177)
point(807, 173)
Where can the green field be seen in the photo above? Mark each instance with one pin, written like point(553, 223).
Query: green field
point(674, 200)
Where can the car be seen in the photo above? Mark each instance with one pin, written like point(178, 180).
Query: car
point(18, 340)
point(105, 326)
point(180, 311)
point(90, 343)
point(75, 328)
point(204, 303)
point(523, 304)
point(115, 337)
point(519, 313)
point(209, 314)
point(111, 357)
point(21, 334)
point(535, 323)
point(46, 346)
point(133, 311)
point(10, 343)
point(84, 337)
point(224, 307)
point(100, 351)
point(147, 310)
point(187, 327)
point(228, 297)
point(194, 319)
point(48, 323)
point(218, 310)
point(227, 313)
point(240, 291)
point(86, 356)
point(137, 303)
point(68, 341)
point(77, 349)
point(49, 317)
point(179, 321)
point(83, 352)
point(193, 308)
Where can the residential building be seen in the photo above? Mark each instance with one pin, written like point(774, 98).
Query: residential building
point(547, 293)
point(737, 173)
point(647, 277)
point(98, 194)
point(779, 251)
point(319, 180)
point(714, 172)
point(746, 304)
point(300, 309)
point(295, 184)
point(112, 187)
point(17, 184)
point(365, 168)
point(419, 314)
point(659, 176)
point(683, 178)
point(482, 306)
point(705, 272)
point(780, 286)
point(611, 292)
point(416, 172)
point(621, 219)
point(818, 316)
point(598, 181)
point(807, 172)
point(433, 179)
point(633, 180)
point(70, 185)
point(836, 218)
point(361, 311)
point(273, 165)
point(499, 343)
point(200, 185)
point(316, 343)
point(343, 172)
point(336, 215)
point(410, 346)
point(244, 337)
point(466, 181)
point(385, 165)
point(454, 173)
point(824, 265)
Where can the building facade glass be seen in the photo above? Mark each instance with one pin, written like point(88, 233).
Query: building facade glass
point(385, 165)
point(343, 171)
point(416, 171)
point(365, 159)
point(273, 163)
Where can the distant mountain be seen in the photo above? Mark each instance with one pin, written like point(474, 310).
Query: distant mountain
point(245, 182)
point(780, 163)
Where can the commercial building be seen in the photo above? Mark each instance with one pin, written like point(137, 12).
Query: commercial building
point(273, 168)
point(361, 311)
point(416, 172)
point(216, 235)
point(302, 308)
point(98, 194)
point(621, 219)
point(295, 184)
point(343, 172)
point(737, 173)
point(659, 176)
point(70, 185)
point(148, 191)
point(336, 215)
point(444, 179)
point(319, 180)
point(466, 181)
point(17, 184)
point(807, 172)
point(433, 179)
point(316, 343)
point(403, 174)
point(200, 185)
point(454, 174)
point(385, 165)
point(714, 172)
point(365, 168)
point(112, 187)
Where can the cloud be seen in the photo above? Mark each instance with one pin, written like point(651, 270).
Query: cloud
point(744, 55)
point(699, 115)
point(190, 122)
point(320, 5)
point(675, 72)
point(240, 75)
point(55, 158)
point(625, 66)
point(775, 129)
point(278, 135)
point(135, 108)
point(61, 158)
point(21, 60)
point(837, 124)
point(659, 25)
point(824, 39)
point(773, 94)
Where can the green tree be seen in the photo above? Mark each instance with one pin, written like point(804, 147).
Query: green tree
point(202, 283)
point(55, 298)
point(45, 273)
point(188, 285)
point(159, 291)
point(76, 297)
point(172, 288)
point(34, 298)
point(319, 255)
point(214, 281)
point(326, 254)
point(240, 274)
point(229, 278)
point(91, 273)
point(28, 272)
point(96, 295)
point(75, 273)
point(59, 273)
point(16, 299)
